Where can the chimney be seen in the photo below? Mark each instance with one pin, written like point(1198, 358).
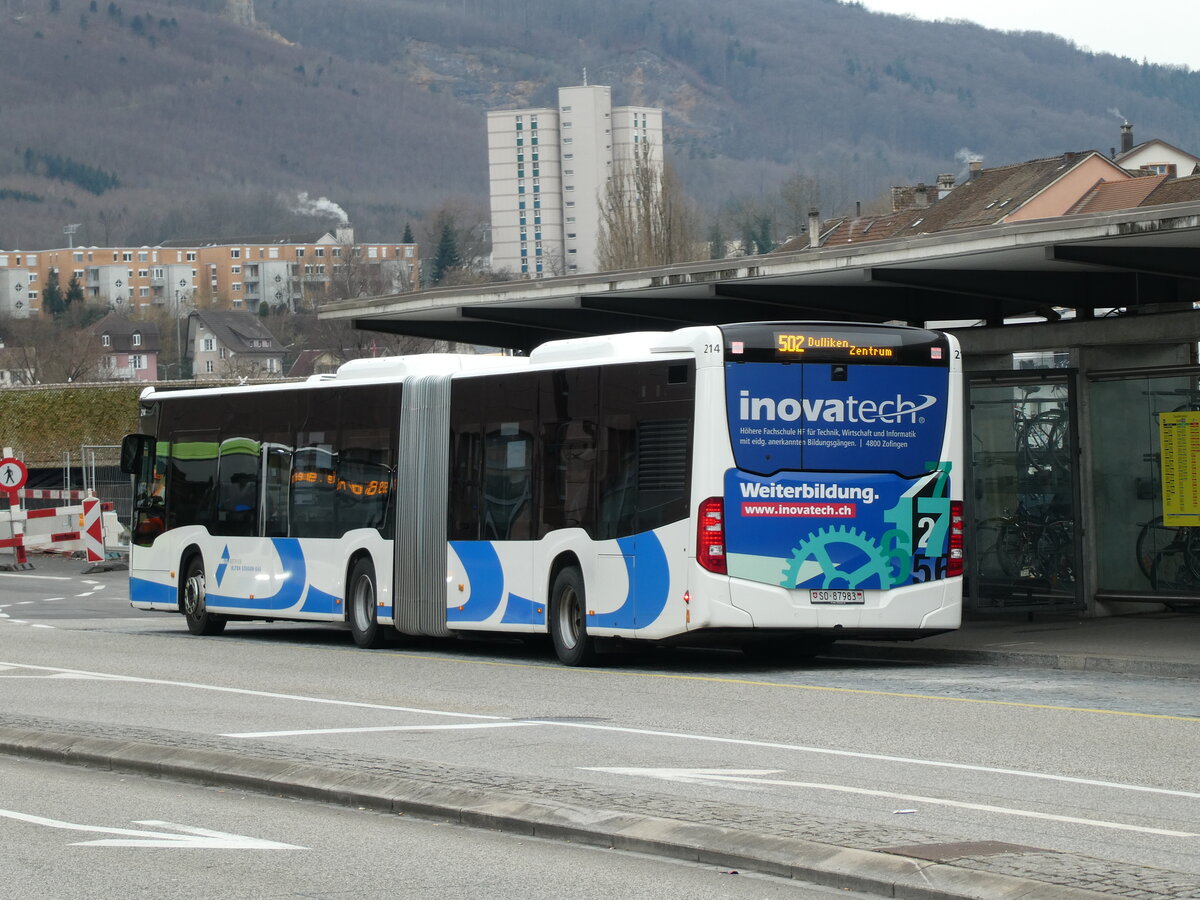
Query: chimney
point(945, 184)
point(344, 235)
point(1126, 138)
point(921, 196)
point(814, 227)
point(976, 166)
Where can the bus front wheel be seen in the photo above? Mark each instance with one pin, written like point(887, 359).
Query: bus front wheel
point(199, 619)
point(361, 599)
point(568, 620)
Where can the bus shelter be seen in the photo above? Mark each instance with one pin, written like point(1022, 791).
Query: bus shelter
point(1079, 336)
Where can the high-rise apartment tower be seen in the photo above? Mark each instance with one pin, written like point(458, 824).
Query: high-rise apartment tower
point(549, 171)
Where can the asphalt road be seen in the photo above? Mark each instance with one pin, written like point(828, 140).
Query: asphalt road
point(80, 833)
point(883, 755)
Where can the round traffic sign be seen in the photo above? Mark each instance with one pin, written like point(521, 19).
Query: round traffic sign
point(12, 474)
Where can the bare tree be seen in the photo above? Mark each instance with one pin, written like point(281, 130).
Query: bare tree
point(55, 350)
point(645, 219)
point(797, 196)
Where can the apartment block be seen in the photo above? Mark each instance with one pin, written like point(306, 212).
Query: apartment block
point(293, 271)
point(549, 171)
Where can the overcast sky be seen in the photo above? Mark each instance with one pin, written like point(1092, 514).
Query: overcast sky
point(1164, 33)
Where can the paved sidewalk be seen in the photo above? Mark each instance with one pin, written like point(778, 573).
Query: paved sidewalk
point(1165, 644)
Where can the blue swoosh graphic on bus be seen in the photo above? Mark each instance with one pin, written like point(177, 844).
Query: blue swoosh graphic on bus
point(649, 584)
point(142, 590)
point(519, 611)
point(293, 574)
point(317, 601)
point(223, 565)
point(487, 581)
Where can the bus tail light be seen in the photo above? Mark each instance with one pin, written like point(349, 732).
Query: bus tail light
point(954, 565)
point(710, 535)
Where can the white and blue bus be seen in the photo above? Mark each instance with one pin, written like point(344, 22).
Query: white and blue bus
point(773, 486)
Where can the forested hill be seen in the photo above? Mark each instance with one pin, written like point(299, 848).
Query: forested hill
point(170, 118)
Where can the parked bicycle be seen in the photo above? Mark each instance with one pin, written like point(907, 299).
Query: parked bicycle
point(1037, 545)
point(1169, 555)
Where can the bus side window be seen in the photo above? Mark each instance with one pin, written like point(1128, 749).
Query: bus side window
point(237, 487)
point(507, 484)
point(192, 479)
point(276, 495)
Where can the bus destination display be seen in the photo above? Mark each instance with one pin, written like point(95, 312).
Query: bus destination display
point(791, 344)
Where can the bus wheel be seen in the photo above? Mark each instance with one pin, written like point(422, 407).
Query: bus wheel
point(199, 619)
point(568, 625)
point(361, 602)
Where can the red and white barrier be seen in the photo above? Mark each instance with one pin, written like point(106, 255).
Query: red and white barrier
point(50, 530)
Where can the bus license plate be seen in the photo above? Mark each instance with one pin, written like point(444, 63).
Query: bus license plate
point(828, 596)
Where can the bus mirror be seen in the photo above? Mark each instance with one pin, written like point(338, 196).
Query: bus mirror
point(134, 447)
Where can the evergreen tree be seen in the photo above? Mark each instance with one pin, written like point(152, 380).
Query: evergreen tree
point(408, 235)
point(53, 302)
point(74, 293)
point(447, 256)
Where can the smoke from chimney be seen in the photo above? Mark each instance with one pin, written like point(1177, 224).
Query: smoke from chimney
point(322, 207)
point(972, 160)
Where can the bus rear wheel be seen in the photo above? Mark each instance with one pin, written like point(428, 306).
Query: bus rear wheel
point(199, 619)
point(568, 620)
point(362, 605)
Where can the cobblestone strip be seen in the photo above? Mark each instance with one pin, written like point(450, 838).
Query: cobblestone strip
point(1049, 867)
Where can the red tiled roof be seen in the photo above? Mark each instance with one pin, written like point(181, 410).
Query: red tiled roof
point(1107, 196)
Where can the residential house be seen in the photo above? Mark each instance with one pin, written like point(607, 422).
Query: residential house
point(129, 349)
point(229, 343)
point(1155, 157)
point(1071, 184)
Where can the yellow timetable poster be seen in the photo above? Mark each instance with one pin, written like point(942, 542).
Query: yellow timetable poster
point(1179, 442)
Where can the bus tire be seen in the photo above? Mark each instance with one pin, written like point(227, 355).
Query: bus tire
point(361, 600)
point(192, 599)
point(568, 620)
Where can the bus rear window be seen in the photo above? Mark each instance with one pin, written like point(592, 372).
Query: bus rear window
point(824, 416)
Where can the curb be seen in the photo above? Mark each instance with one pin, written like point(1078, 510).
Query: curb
point(822, 864)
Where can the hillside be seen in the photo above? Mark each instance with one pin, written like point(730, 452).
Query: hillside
point(183, 117)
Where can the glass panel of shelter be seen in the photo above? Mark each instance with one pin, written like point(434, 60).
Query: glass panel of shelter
point(1022, 498)
point(1146, 489)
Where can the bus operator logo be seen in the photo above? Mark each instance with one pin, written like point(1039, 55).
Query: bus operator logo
point(832, 409)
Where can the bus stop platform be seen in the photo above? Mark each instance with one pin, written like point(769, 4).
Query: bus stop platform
point(1163, 644)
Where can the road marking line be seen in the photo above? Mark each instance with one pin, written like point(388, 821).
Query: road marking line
point(879, 757)
point(701, 776)
point(819, 688)
point(42, 577)
point(270, 695)
point(193, 838)
point(373, 728)
point(741, 742)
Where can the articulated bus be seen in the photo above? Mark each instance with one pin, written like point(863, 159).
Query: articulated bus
point(769, 486)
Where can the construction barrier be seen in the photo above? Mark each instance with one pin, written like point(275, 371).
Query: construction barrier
point(61, 529)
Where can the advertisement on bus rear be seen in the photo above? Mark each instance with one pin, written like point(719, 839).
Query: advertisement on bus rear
point(836, 417)
point(840, 486)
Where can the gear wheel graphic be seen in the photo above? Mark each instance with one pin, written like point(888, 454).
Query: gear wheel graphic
point(827, 547)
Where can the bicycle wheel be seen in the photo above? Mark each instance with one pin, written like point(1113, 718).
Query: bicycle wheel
point(1056, 553)
point(1014, 550)
point(1044, 439)
point(1153, 541)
